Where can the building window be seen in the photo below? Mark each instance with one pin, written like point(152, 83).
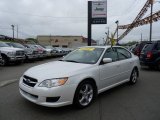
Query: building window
point(75, 40)
point(56, 40)
point(55, 45)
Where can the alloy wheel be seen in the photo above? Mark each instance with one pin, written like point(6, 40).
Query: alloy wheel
point(85, 95)
point(134, 76)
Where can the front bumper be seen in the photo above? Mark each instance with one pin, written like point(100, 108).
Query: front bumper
point(16, 58)
point(42, 55)
point(32, 56)
point(147, 63)
point(39, 95)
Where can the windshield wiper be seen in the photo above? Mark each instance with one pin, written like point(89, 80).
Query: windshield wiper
point(71, 61)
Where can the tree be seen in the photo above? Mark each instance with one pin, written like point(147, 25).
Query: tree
point(32, 40)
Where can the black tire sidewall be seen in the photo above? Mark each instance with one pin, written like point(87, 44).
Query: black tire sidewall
point(4, 61)
point(131, 77)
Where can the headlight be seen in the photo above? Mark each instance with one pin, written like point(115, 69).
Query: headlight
point(53, 82)
point(11, 53)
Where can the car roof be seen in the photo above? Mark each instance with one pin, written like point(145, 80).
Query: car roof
point(105, 47)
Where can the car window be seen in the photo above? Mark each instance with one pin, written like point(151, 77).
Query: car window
point(111, 53)
point(147, 47)
point(123, 53)
point(3, 45)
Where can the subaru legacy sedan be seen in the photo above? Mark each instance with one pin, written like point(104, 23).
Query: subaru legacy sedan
point(80, 76)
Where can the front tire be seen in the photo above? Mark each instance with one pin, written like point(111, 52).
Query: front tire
point(4, 61)
point(84, 95)
point(134, 76)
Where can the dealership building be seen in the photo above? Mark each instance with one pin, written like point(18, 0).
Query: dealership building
point(63, 41)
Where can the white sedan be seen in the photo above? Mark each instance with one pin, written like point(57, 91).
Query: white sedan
point(79, 76)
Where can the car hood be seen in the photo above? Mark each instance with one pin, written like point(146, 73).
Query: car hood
point(57, 69)
point(9, 49)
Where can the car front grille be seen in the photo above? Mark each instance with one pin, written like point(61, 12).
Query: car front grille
point(29, 81)
point(35, 52)
point(19, 53)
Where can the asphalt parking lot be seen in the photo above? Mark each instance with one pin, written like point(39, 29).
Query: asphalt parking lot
point(137, 102)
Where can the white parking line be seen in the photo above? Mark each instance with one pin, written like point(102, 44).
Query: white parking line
point(7, 82)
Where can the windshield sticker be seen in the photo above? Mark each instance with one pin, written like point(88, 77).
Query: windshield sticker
point(87, 49)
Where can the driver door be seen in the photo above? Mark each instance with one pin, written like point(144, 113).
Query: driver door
point(109, 73)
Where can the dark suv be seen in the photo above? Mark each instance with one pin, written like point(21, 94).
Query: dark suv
point(137, 50)
point(150, 55)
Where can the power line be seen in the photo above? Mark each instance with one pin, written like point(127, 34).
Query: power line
point(138, 17)
point(42, 16)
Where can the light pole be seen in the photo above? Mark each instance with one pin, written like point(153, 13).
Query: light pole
point(13, 30)
point(106, 38)
point(117, 22)
point(150, 38)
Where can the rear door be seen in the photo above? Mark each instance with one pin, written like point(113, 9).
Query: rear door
point(126, 63)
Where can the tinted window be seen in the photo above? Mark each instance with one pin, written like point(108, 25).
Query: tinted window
point(3, 45)
point(123, 54)
point(147, 47)
point(111, 53)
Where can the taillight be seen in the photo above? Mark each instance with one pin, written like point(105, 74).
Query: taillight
point(149, 55)
point(138, 52)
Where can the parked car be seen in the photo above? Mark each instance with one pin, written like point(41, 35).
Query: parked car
point(79, 76)
point(150, 55)
point(0, 58)
point(60, 51)
point(67, 50)
point(41, 51)
point(137, 50)
point(54, 50)
point(11, 54)
point(132, 48)
point(49, 51)
point(29, 53)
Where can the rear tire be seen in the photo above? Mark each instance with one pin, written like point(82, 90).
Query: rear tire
point(134, 76)
point(84, 95)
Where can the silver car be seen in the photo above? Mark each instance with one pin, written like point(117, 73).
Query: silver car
point(79, 76)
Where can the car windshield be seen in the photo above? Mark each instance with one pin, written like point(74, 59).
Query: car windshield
point(17, 45)
point(87, 55)
point(3, 44)
point(31, 46)
point(147, 47)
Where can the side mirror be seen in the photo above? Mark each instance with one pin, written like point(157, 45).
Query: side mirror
point(107, 60)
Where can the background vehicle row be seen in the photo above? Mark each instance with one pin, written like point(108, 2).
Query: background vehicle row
point(11, 52)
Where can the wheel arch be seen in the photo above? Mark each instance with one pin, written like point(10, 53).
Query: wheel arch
point(136, 68)
point(90, 79)
point(4, 55)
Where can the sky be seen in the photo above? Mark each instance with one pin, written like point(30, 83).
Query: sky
point(69, 17)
